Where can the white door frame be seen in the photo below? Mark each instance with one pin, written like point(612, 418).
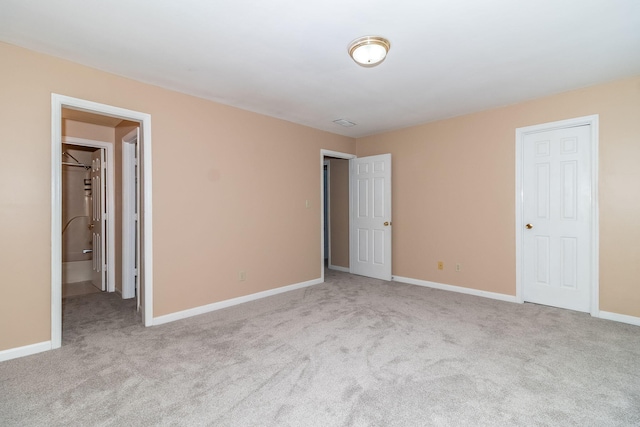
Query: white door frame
point(327, 153)
point(327, 208)
point(110, 199)
point(58, 102)
point(130, 230)
point(592, 121)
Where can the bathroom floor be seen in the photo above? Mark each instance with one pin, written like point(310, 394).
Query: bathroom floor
point(78, 288)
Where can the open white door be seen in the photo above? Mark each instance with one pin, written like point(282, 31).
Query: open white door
point(58, 103)
point(138, 229)
point(370, 224)
point(98, 219)
point(130, 217)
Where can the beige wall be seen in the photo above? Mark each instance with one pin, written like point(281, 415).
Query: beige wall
point(83, 130)
point(216, 207)
point(339, 205)
point(454, 192)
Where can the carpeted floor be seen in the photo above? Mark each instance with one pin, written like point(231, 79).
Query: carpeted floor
point(350, 352)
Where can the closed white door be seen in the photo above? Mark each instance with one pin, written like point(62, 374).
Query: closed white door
point(98, 219)
point(370, 227)
point(557, 219)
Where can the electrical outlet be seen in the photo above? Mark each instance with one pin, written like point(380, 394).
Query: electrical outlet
point(440, 265)
point(242, 275)
point(458, 267)
point(307, 204)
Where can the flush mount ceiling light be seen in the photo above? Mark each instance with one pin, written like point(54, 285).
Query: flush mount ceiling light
point(369, 51)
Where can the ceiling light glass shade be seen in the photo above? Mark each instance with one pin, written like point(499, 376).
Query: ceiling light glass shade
point(369, 51)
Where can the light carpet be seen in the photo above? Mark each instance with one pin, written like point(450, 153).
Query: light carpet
point(350, 352)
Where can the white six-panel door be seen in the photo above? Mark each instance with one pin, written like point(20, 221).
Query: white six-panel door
point(370, 226)
point(98, 219)
point(557, 216)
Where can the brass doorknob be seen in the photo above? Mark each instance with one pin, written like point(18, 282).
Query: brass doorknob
point(529, 226)
point(387, 223)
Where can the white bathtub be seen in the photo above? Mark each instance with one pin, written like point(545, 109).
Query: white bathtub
point(76, 271)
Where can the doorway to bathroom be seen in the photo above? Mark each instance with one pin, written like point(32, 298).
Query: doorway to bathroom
point(87, 222)
point(100, 139)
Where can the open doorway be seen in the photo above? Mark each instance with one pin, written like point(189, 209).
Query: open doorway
point(126, 121)
point(369, 213)
point(334, 185)
point(87, 230)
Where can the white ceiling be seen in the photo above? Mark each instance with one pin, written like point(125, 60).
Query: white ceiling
point(288, 58)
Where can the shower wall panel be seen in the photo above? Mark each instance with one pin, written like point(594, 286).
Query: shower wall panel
point(76, 202)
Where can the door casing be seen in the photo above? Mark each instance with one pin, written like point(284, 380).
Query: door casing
point(326, 198)
point(593, 122)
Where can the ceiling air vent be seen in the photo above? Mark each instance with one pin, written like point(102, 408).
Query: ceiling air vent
point(345, 123)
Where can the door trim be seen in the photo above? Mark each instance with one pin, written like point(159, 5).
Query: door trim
point(58, 102)
point(326, 208)
point(327, 153)
point(110, 200)
point(592, 121)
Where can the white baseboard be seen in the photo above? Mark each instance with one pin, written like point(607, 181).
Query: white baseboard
point(27, 350)
point(338, 268)
point(459, 289)
point(230, 302)
point(632, 320)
